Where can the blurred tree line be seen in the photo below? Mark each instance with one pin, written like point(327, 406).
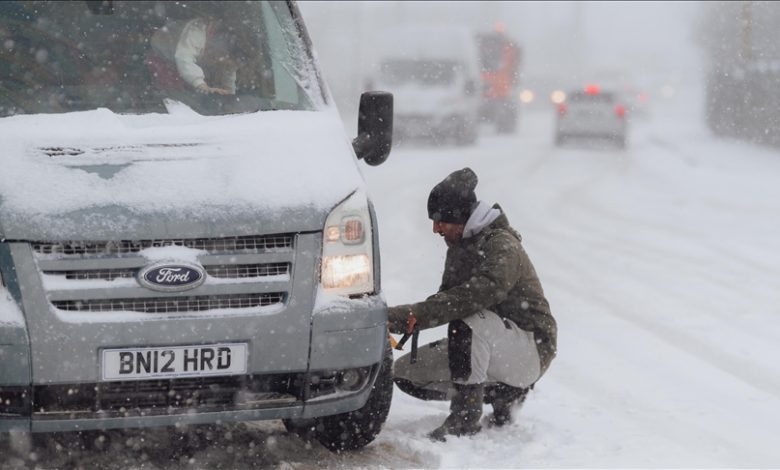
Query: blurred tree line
point(742, 48)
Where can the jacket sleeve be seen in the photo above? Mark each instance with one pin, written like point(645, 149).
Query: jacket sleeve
point(188, 50)
point(496, 274)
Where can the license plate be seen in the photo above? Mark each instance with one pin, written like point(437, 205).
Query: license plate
point(173, 361)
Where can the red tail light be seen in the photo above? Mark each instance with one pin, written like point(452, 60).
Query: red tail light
point(592, 89)
point(561, 108)
point(620, 111)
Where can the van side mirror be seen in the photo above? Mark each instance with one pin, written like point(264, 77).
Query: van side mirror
point(375, 127)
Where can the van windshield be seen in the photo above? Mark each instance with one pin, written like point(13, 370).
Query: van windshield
point(424, 72)
point(132, 56)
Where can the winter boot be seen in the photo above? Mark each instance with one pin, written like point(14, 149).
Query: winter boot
point(465, 411)
point(504, 397)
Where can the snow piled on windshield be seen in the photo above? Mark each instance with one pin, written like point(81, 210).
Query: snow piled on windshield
point(59, 163)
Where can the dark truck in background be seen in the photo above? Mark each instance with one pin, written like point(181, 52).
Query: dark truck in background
point(741, 43)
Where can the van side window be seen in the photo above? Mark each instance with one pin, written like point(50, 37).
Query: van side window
point(292, 72)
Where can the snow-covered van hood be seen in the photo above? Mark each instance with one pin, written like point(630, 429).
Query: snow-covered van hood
point(97, 175)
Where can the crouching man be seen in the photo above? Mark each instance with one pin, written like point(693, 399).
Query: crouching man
point(501, 335)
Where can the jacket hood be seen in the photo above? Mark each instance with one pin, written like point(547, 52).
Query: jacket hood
point(481, 216)
point(502, 222)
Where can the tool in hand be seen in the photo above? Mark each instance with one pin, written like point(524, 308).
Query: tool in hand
point(413, 332)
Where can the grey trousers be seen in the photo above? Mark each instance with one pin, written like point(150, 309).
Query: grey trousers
point(482, 348)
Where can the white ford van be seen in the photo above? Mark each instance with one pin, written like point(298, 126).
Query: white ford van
point(185, 235)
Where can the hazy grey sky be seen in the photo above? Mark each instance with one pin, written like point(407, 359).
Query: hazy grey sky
point(646, 41)
point(644, 38)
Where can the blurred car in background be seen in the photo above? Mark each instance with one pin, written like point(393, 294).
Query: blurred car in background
point(433, 73)
point(591, 113)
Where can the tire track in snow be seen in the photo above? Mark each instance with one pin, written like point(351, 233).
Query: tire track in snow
point(721, 251)
point(603, 237)
point(655, 424)
point(749, 373)
point(682, 261)
point(767, 335)
point(577, 194)
point(595, 235)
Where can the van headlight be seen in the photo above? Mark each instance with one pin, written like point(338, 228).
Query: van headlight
point(347, 248)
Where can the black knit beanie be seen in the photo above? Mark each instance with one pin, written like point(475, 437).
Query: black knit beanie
point(453, 199)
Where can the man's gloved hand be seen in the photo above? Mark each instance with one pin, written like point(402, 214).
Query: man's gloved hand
point(398, 319)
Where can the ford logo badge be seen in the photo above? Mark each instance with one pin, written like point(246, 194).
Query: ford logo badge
point(171, 276)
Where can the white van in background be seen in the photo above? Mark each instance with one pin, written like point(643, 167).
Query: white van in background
point(433, 73)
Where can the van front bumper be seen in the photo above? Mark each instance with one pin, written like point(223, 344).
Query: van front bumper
point(77, 407)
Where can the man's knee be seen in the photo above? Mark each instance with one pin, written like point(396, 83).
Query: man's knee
point(459, 339)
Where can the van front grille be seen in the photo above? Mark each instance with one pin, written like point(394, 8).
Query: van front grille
point(150, 397)
point(159, 393)
point(211, 245)
point(95, 274)
point(224, 271)
point(171, 304)
point(242, 272)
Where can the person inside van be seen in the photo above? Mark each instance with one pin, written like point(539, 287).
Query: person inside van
point(199, 55)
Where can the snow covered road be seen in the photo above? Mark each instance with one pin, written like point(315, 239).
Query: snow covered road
point(661, 263)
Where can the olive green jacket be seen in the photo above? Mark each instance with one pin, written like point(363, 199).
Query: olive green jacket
point(492, 271)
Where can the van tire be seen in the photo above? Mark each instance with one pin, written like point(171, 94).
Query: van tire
point(355, 429)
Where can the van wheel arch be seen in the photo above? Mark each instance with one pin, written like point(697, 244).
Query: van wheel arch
point(355, 429)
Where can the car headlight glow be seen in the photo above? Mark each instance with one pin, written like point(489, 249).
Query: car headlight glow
point(558, 97)
point(347, 248)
